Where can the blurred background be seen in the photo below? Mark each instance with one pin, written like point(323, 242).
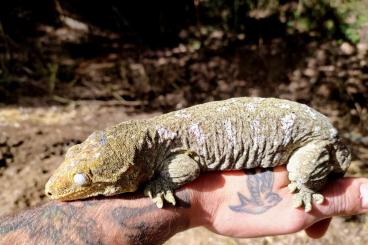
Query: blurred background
point(69, 67)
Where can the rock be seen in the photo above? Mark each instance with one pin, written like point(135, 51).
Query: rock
point(347, 49)
point(309, 72)
point(362, 48)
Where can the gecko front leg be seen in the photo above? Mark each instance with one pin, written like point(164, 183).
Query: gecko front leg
point(308, 168)
point(175, 171)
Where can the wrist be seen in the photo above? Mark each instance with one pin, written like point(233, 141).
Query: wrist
point(133, 219)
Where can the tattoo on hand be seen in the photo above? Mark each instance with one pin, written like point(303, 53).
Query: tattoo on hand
point(259, 184)
point(54, 223)
point(77, 222)
point(148, 224)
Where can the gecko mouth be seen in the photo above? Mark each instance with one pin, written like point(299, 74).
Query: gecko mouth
point(82, 194)
point(86, 192)
point(54, 192)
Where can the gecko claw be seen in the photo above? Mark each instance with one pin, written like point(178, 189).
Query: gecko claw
point(159, 191)
point(169, 197)
point(148, 193)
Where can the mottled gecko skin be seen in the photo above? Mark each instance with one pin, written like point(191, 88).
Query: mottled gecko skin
point(170, 150)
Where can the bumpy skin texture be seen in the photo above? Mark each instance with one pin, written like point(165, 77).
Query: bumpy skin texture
point(170, 150)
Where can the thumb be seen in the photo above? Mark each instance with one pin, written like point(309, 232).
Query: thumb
point(346, 196)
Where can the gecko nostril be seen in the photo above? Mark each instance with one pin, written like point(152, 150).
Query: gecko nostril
point(49, 193)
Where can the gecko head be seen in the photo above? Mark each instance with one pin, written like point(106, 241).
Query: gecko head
point(92, 168)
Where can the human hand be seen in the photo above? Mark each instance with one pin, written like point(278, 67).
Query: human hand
point(252, 204)
point(236, 203)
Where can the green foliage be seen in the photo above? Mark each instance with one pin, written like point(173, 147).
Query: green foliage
point(353, 17)
point(329, 18)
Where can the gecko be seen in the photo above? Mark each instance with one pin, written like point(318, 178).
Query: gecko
point(164, 152)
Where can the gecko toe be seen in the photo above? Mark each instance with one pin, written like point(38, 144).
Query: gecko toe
point(318, 198)
point(297, 201)
point(303, 199)
point(158, 200)
point(307, 202)
point(292, 187)
point(169, 197)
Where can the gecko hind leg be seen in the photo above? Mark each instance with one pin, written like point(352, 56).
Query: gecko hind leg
point(308, 169)
point(175, 172)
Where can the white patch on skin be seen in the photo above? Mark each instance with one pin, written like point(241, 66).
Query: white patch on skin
point(197, 132)
point(287, 123)
point(256, 131)
point(222, 109)
point(255, 126)
point(317, 129)
point(250, 107)
point(310, 112)
point(230, 131)
point(166, 134)
point(182, 114)
point(80, 179)
point(284, 106)
point(333, 133)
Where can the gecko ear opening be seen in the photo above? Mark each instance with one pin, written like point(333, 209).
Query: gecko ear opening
point(81, 179)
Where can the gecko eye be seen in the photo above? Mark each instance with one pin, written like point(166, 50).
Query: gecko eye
point(81, 179)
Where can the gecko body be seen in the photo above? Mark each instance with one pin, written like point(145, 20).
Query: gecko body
point(167, 151)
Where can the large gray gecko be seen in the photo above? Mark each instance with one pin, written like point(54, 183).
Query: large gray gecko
point(167, 151)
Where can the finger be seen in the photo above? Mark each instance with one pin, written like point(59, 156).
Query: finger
point(318, 229)
point(347, 196)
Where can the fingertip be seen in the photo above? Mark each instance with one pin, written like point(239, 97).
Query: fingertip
point(364, 195)
point(346, 196)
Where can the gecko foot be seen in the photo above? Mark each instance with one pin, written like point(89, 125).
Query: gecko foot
point(159, 190)
point(304, 196)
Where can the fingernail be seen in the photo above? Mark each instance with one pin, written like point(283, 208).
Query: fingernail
point(364, 195)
